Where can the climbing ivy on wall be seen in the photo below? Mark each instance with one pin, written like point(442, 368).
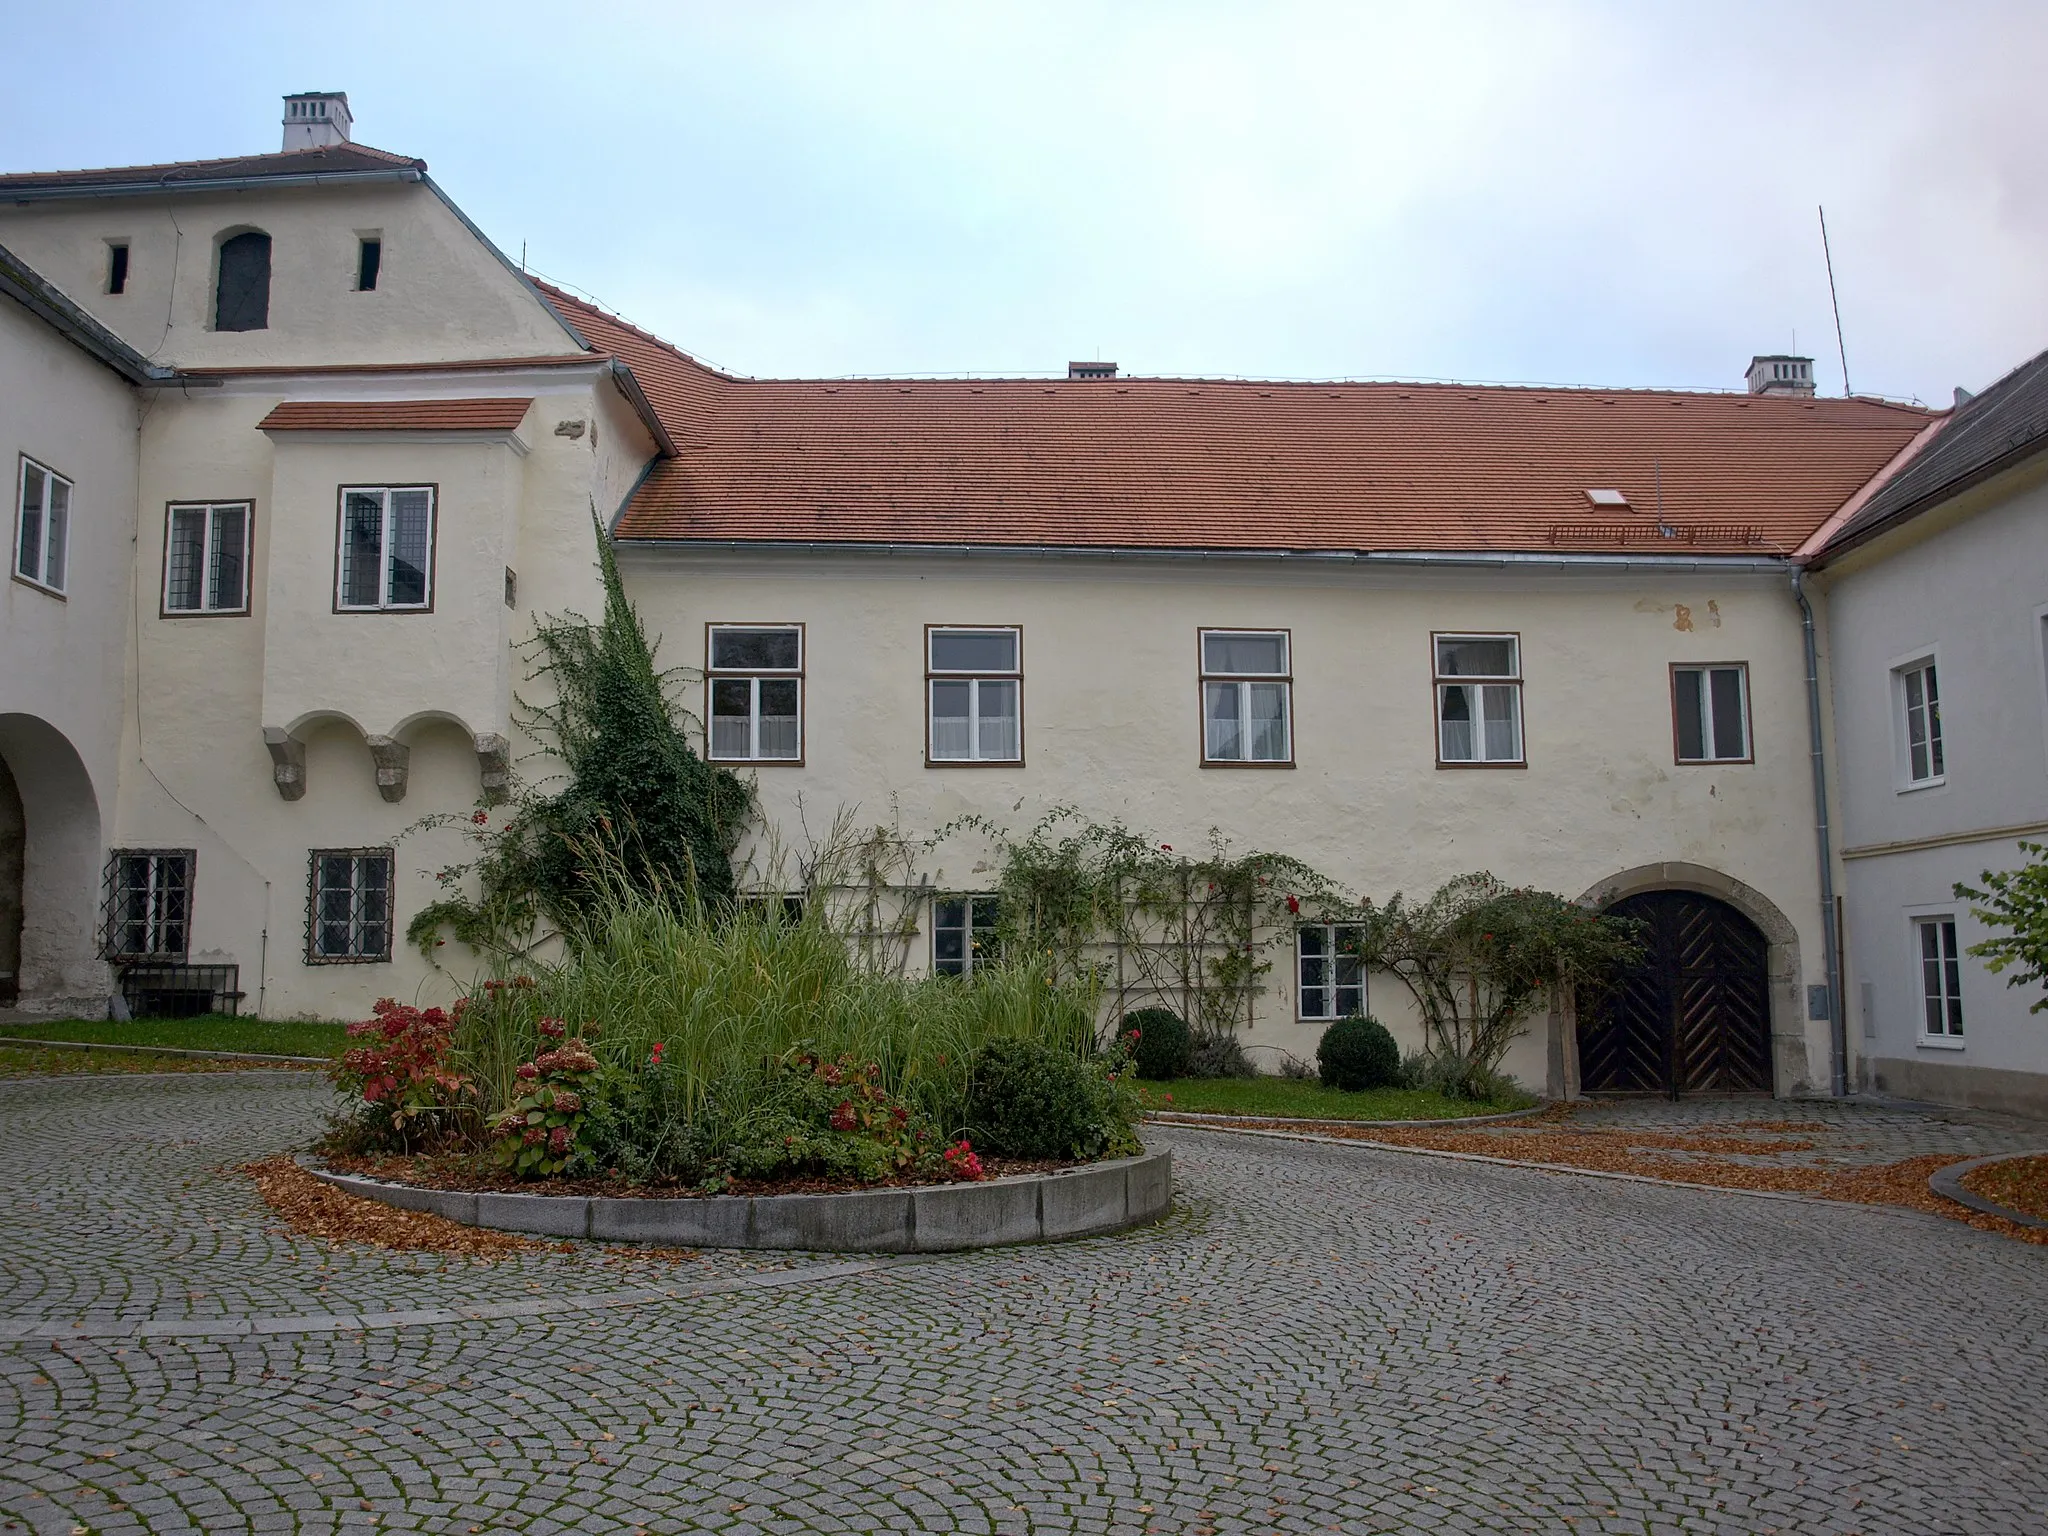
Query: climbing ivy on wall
point(638, 803)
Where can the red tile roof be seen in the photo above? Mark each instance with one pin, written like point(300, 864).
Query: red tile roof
point(495, 415)
point(326, 160)
point(1214, 464)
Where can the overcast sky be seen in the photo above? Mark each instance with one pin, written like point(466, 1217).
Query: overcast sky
point(1608, 194)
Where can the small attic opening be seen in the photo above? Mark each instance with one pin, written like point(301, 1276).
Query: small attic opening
point(1607, 497)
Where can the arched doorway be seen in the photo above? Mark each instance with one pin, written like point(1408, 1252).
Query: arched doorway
point(50, 905)
point(1694, 1015)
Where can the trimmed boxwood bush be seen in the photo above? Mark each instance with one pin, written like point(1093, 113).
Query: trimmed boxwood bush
point(1025, 1099)
point(1358, 1053)
point(1165, 1047)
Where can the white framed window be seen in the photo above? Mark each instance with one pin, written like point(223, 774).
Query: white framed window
point(348, 906)
point(42, 526)
point(755, 681)
point(385, 558)
point(206, 557)
point(974, 694)
point(1478, 700)
point(1941, 978)
point(1917, 693)
point(1247, 698)
point(146, 903)
point(1710, 713)
point(1329, 980)
point(963, 933)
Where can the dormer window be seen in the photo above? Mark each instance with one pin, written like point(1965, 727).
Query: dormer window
point(241, 295)
point(369, 257)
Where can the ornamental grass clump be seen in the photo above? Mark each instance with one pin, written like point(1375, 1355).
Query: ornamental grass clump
point(753, 1045)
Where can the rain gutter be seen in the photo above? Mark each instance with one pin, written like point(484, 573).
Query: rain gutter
point(210, 184)
point(1503, 560)
point(1838, 1021)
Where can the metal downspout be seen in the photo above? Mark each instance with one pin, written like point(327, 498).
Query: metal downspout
point(1836, 1017)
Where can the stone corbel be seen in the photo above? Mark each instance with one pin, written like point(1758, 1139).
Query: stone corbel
point(494, 767)
point(287, 762)
point(393, 759)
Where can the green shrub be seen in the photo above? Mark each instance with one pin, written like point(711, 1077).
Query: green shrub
point(1030, 1100)
point(1216, 1053)
point(1164, 1046)
point(1357, 1054)
point(1455, 1079)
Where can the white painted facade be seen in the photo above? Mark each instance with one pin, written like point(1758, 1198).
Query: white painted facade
point(248, 736)
point(1966, 587)
point(63, 658)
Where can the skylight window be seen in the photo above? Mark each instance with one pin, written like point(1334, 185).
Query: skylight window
point(1606, 498)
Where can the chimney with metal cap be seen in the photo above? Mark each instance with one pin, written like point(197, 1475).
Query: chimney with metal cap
point(1091, 370)
point(315, 119)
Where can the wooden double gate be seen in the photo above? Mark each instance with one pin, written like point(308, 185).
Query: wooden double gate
point(1694, 1015)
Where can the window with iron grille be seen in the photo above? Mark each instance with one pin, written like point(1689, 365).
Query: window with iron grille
point(386, 555)
point(146, 903)
point(348, 906)
point(206, 557)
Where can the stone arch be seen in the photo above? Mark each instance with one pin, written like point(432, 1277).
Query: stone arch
point(59, 855)
point(1791, 1071)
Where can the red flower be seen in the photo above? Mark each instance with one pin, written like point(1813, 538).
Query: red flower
point(1166, 847)
point(1294, 905)
point(527, 1073)
point(843, 1117)
point(553, 1028)
point(481, 817)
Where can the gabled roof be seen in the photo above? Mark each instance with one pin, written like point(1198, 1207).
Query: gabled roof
point(487, 415)
point(2004, 426)
point(35, 293)
point(353, 162)
point(1137, 463)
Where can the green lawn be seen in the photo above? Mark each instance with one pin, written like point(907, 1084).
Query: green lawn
point(1309, 1100)
point(27, 1061)
point(214, 1032)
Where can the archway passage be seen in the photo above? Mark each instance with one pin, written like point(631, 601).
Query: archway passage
point(1694, 1015)
point(13, 860)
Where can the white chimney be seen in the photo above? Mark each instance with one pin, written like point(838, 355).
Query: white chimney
point(315, 119)
point(1781, 374)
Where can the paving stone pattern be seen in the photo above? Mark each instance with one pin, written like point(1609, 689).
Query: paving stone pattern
point(1320, 1338)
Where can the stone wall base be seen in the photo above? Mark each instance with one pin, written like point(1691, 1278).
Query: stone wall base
point(1968, 1087)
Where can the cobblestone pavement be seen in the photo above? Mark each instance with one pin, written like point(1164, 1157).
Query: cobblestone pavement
point(1320, 1338)
point(1841, 1133)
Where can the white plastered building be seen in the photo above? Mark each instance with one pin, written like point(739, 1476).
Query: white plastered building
point(1399, 631)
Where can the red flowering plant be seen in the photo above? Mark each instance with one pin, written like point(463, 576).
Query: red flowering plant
point(406, 1091)
point(538, 1135)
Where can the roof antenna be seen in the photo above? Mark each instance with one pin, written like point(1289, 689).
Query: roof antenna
point(1840, 350)
point(522, 255)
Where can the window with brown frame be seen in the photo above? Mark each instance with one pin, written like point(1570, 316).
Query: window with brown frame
point(206, 557)
point(754, 675)
point(974, 694)
point(1478, 700)
point(1247, 698)
point(1710, 713)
